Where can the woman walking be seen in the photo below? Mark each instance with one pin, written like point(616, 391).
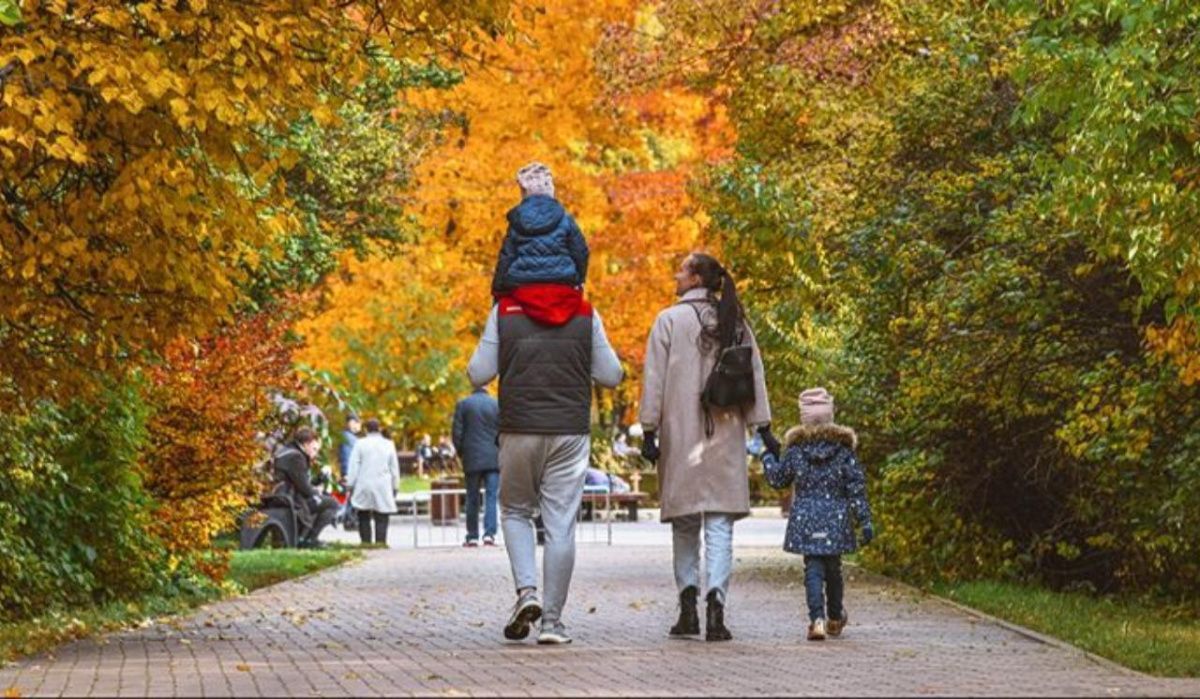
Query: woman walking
point(373, 480)
point(701, 446)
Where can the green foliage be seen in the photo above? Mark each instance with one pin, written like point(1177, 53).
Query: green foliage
point(969, 244)
point(10, 13)
point(74, 518)
point(346, 186)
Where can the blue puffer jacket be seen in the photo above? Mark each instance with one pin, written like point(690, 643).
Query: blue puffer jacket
point(543, 246)
point(830, 489)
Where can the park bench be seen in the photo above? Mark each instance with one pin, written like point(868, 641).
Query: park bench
point(628, 501)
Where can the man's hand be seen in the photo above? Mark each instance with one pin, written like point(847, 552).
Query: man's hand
point(771, 444)
point(650, 450)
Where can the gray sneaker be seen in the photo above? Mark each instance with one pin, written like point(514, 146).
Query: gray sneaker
point(553, 634)
point(526, 611)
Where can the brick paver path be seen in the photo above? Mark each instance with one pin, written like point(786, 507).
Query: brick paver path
point(429, 622)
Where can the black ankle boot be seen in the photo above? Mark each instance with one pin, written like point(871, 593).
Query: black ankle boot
point(715, 614)
point(715, 619)
point(689, 620)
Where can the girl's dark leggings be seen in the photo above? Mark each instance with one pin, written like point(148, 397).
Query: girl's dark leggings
point(823, 586)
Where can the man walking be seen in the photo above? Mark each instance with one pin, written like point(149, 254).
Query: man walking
point(476, 426)
point(349, 439)
point(547, 345)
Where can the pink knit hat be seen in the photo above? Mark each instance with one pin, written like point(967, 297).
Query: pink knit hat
point(535, 178)
point(816, 407)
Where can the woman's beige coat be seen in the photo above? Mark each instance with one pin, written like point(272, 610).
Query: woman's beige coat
point(696, 474)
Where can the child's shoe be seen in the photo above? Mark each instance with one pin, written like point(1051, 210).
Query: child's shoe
point(835, 626)
point(816, 630)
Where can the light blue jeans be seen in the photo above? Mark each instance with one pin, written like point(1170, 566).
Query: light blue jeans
point(718, 551)
point(542, 473)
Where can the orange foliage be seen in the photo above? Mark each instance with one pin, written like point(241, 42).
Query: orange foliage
point(1179, 342)
point(212, 400)
point(391, 339)
point(620, 166)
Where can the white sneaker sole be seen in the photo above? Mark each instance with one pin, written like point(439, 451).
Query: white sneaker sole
point(553, 639)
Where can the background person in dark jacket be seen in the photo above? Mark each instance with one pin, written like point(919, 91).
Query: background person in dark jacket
point(476, 426)
point(544, 244)
point(830, 495)
point(293, 467)
point(349, 437)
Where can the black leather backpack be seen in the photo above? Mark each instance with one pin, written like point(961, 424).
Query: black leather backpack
point(730, 384)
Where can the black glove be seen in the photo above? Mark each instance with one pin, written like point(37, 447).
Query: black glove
point(650, 450)
point(868, 533)
point(771, 444)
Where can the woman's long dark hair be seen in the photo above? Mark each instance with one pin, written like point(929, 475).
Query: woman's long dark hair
point(731, 317)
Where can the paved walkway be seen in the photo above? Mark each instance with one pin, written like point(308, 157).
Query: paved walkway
point(428, 622)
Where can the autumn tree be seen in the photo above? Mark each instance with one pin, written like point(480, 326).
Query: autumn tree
point(621, 164)
point(140, 175)
point(212, 406)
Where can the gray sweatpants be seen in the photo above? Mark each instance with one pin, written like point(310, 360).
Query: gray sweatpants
point(546, 473)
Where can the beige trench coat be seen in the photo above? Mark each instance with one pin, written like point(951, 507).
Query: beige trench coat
point(696, 474)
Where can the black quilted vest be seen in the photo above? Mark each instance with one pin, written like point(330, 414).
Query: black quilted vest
point(545, 372)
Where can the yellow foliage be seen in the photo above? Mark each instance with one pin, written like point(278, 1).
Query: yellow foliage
point(129, 133)
point(621, 167)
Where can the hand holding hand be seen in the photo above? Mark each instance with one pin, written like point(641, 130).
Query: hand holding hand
point(650, 450)
point(770, 443)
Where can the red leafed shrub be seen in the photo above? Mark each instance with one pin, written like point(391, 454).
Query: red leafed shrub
point(212, 406)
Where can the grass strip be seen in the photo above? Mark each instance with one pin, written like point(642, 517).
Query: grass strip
point(1150, 638)
point(259, 568)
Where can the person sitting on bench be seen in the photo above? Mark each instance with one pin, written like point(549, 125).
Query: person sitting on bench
point(293, 468)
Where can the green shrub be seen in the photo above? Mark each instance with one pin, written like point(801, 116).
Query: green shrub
point(74, 519)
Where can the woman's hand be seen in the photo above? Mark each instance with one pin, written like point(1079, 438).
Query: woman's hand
point(650, 450)
point(772, 445)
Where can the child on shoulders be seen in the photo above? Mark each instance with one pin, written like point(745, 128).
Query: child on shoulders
point(544, 244)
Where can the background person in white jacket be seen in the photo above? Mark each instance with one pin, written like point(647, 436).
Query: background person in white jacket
point(373, 480)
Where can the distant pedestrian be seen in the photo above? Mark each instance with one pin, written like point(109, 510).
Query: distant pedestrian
point(349, 437)
point(425, 454)
point(475, 433)
point(350, 434)
point(374, 479)
point(830, 496)
point(447, 452)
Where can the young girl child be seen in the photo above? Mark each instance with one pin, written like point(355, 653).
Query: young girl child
point(543, 244)
point(830, 488)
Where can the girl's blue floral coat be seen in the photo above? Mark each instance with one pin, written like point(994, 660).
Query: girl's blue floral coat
point(830, 489)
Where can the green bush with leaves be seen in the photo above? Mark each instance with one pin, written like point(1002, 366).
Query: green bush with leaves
point(975, 224)
point(74, 518)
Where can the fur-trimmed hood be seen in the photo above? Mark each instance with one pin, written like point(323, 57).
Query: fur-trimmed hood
point(838, 434)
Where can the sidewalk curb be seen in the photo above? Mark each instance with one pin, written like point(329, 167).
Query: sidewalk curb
point(1015, 628)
